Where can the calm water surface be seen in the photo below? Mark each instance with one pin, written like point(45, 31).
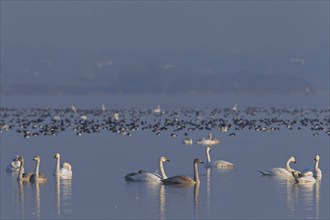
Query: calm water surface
point(101, 160)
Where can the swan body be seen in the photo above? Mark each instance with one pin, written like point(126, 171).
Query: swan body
point(205, 141)
point(185, 180)
point(38, 177)
point(14, 165)
point(317, 173)
point(65, 172)
point(157, 110)
point(115, 116)
point(223, 128)
point(142, 176)
point(21, 175)
point(208, 141)
point(306, 179)
point(282, 172)
point(220, 164)
point(188, 141)
point(73, 108)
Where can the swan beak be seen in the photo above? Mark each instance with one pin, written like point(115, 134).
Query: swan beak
point(168, 160)
point(295, 161)
point(202, 162)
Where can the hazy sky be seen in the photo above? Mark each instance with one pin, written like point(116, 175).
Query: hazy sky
point(143, 37)
point(224, 26)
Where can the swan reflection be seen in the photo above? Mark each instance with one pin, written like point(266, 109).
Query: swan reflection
point(208, 187)
point(58, 196)
point(37, 199)
point(176, 192)
point(64, 196)
point(196, 199)
point(21, 198)
point(221, 182)
point(162, 202)
point(308, 193)
point(317, 198)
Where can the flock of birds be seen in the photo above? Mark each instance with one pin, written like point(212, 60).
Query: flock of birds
point(143, 176)
point(16, 166)
point(31, 122)
point(45, 121)
point(308, 176)
point(65, 171)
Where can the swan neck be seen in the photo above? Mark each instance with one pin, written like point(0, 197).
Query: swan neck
point(208, 157)
point(161, 169)
point(316, 166)
point(57, 166)
point(20, 172)
point(196, 176)
point(36, 173)
point(287, 166)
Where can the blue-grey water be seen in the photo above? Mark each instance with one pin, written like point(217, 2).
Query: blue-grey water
point(101, 160)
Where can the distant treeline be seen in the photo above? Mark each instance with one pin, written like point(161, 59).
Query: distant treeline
point(82, 72)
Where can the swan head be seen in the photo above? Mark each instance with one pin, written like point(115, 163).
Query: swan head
point(15, 157)
point(57, 155)
point(36, 158)
point(317, 158)
point(198, 161)
point(295, 174)
point(20, 158)
point(141, 171)
point(210, 135)
point(164, 159)
point(292, 159)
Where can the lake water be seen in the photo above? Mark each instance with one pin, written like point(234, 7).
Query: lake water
point(100, 160)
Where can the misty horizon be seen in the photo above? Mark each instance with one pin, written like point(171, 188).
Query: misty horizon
point(159, 47)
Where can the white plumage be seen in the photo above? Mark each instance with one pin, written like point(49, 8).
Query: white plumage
point(282, 172)
point(188, 141)
point(208, 141)
point(14, 165)
point(65, 172)
point(220, 164)
point(316, 172)
point(142, 176)
point(305, 179)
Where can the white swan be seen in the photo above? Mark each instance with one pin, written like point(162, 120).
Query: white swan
point(37, 176)
point(317, 173)
point(157, 110)
point(14, 165)
point(188, 141)
point(220, 164)
point(283, 172)
point(142, 176)
point(185, 180)
point(208, 141)
point(115, 116)
point(306, 179)
point(65, 172)
point(21, 175)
